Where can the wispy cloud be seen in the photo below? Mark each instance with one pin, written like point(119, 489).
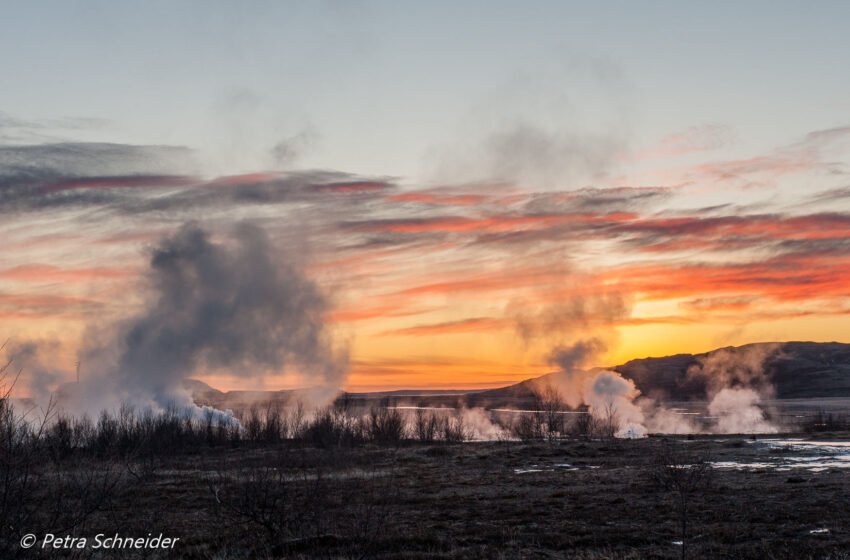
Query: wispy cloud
point(420, 263)
point(696, 139)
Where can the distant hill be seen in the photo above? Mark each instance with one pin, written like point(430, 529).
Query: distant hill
point(797, 370)
point(204, 394)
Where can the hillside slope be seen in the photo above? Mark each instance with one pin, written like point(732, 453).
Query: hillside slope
point(797, 370)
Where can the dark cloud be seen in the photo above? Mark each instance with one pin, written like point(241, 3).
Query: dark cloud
point(599, 200)
point(84, 159)
point(115, 176)
point(832, 195)
point(334, 192)
point(823, 231)
point(835, 246)
point(28, 174)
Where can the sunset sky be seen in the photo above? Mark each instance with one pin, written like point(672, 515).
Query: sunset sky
point(470, 183)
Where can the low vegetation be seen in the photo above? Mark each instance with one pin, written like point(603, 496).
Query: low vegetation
point(382, 482)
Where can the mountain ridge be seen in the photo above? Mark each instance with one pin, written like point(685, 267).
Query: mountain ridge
point(797, 370)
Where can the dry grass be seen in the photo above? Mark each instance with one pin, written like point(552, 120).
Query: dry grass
point(567, 499)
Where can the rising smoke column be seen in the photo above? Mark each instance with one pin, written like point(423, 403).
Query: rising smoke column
point(238, 305)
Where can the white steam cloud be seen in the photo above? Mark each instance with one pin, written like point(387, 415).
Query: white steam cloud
point(237, 305)
point(735, 381)
point(609, 396)
point(736, 385)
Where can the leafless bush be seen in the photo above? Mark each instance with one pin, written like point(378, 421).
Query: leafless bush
point(283, 497)
point(385, 425)
point(609, 422)
point(265, 423)
point(305, 501)
point(551, 406)
point(455, 429)
point(252, 424)
point(369, 515)
point(38, 492)
point(334, 427)
point(545, 420)
point(296, 421)
point(584, 425)
point(275, 427)
point(426, 425)
point(527, 427)
point(823, 421)
point(681, 472)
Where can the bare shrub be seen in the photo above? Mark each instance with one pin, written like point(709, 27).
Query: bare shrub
point(545, 420)
point(306, 503)
point(333, 426)
point(455, 429)
point(526, 427)
point(40, 488)
point(274, 428)
point(609, 421)
point(296, 422)
point(369, 513)
point(584, 425)
point(252, 424)
point(385, 425)
point(282, 497)
point(426, 425)
point(681, 472)
point(550, 406)
point(823, 421)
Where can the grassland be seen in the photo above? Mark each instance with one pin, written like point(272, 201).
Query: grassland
point(564, 499)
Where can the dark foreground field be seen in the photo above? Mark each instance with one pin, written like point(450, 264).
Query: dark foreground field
point(566, 499)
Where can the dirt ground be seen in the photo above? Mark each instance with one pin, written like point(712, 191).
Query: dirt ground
point(565, 499)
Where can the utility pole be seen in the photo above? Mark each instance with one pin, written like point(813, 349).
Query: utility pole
point(78, 372)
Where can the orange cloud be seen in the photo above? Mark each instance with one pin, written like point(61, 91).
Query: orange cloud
point(29, 306)
point(50, 273)
point(377, 312)
point(735, 303)
point(792, 278)
point(474, 324)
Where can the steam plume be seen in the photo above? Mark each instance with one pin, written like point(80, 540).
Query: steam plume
point(736, 384)
point(568, 358)
point(235, 305)
point(735, 380)
point(607, 394)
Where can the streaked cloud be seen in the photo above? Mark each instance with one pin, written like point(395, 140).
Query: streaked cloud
point(433, 266)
